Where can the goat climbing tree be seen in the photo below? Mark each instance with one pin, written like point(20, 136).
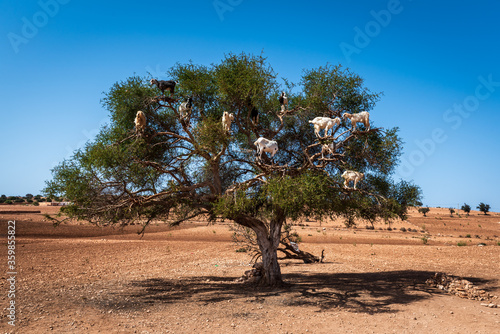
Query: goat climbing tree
point(182, 167)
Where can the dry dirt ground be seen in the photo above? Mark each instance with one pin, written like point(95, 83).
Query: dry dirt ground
point(81, 279)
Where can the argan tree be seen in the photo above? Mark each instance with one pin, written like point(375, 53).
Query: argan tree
point(183, 167)
point(466, 208)
point(424, 211)
point(484, 208)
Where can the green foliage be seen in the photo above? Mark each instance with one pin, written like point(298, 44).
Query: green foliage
point(452, 211)
point(424, 211)
point(485, 208)
point(466, 208)
point(178, 169)
point(461, 243)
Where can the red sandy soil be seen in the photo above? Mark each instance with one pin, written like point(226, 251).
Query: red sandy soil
point(78, 278)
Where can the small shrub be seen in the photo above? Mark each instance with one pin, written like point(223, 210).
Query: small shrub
point(461, 243)
point(467, 235)
point(241, 250)
point(424, 211)
point(424, 240)
point(389, 229)
point(402, 229)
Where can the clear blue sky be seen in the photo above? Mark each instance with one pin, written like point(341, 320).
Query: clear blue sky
point(436, 62)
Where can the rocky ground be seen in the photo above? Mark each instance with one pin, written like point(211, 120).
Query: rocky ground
point(81, 279)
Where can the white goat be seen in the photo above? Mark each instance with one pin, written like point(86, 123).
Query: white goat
point(324, 123)
point(266, 145)
point(140, 122)
point(350, 175)
point(330, 148)
point(227, 118)
point(185, 108)
point(362, 117)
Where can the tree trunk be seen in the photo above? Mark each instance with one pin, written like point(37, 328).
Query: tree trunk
point(268, 240)
point(272, 270)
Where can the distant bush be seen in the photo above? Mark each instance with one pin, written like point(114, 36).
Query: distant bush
point(402, 229)
point(467, 235)
point(424, 240)
point(466, 208)
point(424, 211)
point(483, 208)
point(461, 243)
point(8, 201)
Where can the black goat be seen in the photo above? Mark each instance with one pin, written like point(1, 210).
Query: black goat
point(254, 116)
point(164, 85)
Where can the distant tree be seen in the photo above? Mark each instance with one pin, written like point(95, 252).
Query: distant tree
point(424, 211)
point(3, 197)
point(185, 166)
point(452, 211)
point(466, 208)
point(8, 201)
point(28, 196)
point(483, 208)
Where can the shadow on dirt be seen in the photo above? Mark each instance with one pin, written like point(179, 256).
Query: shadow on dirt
point(369, 293)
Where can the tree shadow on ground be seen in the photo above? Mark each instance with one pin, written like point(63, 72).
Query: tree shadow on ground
point(378, 292)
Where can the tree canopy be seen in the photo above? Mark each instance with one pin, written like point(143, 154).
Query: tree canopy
point(181, 167)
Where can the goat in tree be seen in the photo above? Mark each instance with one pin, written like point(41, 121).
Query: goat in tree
point(266, 145)
point(325, 123)
point(283, 101)
point(140, 122)
point(362, 117)
point(164, 85)
point(350, 175)
point(227, 119)
point(185, 108)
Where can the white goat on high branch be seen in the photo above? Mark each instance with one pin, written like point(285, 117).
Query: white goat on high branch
point(350, 175)
point(362, 117)
point(266, 145)
point(325, 123)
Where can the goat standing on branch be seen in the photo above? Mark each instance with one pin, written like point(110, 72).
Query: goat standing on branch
point(325, 123)
point(283, 101)
point(140, 122)
point(164, 85)
point(185, 108)
point(227, 119)
point(362, 117)
point(350, 175)
point(266, 145)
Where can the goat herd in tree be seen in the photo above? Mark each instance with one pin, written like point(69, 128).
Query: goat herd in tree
point(262, 144)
